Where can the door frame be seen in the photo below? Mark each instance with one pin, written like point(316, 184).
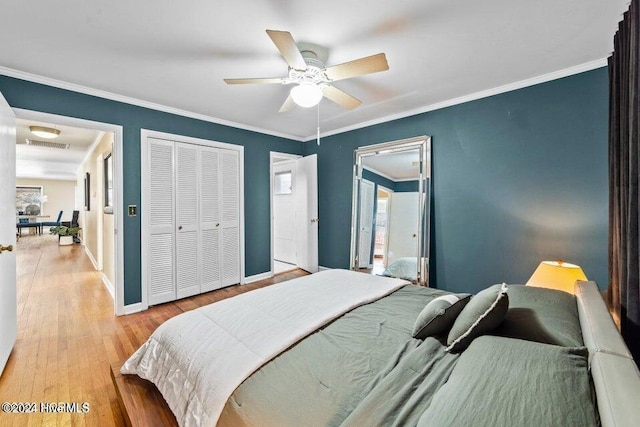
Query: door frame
point(118, 208)
point(273, 155)
point(386, 229)
point(144, 227)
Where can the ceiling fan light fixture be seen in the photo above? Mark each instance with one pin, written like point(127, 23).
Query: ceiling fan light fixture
point(306, 95)
point(44, 132)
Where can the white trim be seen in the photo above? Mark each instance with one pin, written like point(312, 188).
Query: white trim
point(272, 156)
point(258, 277)
point(118, 207)
point(377, 172)
point(131, 309)
point(108, 285)
point(138, 102)
point(144, 227)
point(91, 258)
point(321, 268)
point(577, 69)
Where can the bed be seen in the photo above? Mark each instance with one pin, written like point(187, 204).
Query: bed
point(346, 354)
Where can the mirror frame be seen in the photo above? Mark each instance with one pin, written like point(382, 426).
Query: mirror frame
point(423, 145)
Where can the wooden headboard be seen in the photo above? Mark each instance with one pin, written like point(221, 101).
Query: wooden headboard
point(615, 375)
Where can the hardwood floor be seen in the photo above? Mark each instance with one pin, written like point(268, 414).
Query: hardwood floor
point(68, 335)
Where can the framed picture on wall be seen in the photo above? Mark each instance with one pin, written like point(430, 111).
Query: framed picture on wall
point(87, 192)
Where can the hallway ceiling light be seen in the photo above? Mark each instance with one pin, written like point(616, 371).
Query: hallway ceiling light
point(44, 132)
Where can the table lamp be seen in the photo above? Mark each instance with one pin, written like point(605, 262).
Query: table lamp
point(558, 275)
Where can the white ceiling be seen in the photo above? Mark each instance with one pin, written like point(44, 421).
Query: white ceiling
point(176, 54)
point(52, 163)
point(396, 166)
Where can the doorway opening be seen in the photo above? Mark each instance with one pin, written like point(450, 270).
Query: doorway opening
point(283, 194)
point(383, 206)
point(79, 187)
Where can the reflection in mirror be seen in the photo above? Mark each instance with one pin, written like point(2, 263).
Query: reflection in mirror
point(391, 209)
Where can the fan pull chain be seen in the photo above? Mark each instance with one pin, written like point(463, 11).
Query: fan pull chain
point(318, 128)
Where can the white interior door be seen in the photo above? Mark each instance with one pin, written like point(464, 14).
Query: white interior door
point(403, 226)
point(187, 177)
point(365, 222)
point(230, 224)
point(8, 299)
point(209, 219)
point(306, 203)
point(160, 217)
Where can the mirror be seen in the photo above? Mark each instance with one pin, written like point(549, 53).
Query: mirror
point(391, 209)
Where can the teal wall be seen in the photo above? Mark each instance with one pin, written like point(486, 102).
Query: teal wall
point(37, 97)
point(518, 178)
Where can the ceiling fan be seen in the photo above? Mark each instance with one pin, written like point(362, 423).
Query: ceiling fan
point(312, 80)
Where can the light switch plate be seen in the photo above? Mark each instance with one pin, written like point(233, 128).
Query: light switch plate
point(133, 210)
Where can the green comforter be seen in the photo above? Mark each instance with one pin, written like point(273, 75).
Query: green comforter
point(365, 369)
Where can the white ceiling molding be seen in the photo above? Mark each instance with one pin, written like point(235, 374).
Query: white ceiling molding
point(134, 101)
point(592, 65)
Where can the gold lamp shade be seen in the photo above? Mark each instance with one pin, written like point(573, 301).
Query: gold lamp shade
point(558, 275)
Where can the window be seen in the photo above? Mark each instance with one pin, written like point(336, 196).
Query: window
point(282, 183)
point(108, 184)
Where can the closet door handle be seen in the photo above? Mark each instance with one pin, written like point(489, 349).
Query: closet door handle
point(179, 227)
point(6, 248)
point(218, 225)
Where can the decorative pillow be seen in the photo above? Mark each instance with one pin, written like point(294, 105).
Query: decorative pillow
point(438, 316)
point(543, 315)
point(484, 313)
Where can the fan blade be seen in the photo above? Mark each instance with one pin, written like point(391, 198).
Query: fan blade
point(288, 49)
point(288, 105)
point(358, 67)
point(247, 81)
point(339, 97)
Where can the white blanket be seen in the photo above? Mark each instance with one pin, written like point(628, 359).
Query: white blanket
point(199, 358)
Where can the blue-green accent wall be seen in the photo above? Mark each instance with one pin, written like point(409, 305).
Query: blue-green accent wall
point(518, 178)
point(38, 97)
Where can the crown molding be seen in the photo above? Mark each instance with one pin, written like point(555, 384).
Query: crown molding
point(138, 102)
point(577, 69)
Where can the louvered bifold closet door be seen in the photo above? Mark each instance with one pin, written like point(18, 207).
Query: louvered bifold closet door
point(160, 218)
point(230, 221)
point(187, 220)
point(210, 241)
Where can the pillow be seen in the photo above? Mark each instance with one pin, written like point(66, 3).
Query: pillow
point(484, 313)
point(543, 315)
point(438, 316)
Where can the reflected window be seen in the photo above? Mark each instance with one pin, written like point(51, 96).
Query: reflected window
point(282, 183)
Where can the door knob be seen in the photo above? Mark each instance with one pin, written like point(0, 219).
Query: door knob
point(179, 227)
point(218, 225)
point(6, 248)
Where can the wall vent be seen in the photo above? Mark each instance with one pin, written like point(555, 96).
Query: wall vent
point(46, 144)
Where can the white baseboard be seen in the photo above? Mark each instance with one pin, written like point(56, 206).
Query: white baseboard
point(321, 268)
point(91, 258)
point(109, 286)
point(257, 277)
point(132, 308)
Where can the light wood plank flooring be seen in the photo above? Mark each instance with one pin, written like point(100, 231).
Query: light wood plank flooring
point(68, 335)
